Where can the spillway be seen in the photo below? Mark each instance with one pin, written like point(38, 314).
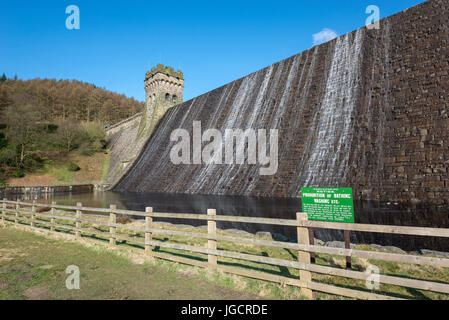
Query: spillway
point(368, 110)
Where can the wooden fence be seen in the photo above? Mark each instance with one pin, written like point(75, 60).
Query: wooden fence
point(26, 213)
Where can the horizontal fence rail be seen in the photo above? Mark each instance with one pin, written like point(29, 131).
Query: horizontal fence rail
point(79, 221)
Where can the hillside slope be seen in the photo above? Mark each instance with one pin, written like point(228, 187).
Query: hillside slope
point(68, 99)
point(52, 132)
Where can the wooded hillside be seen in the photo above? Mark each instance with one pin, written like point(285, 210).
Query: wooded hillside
point(46, 124)
point(67, 99)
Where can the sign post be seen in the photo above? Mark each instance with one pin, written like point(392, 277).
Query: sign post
point(329, 204)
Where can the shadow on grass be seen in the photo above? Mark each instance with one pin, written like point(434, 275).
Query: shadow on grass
point(283, 270)
point(362, 288)
point(254, 266)
point(294, 256)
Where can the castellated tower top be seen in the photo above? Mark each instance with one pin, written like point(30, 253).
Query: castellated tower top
point(163, 88)
point(169, 71)
point(164, 85)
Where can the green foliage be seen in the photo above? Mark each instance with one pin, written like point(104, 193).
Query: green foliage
point(87, 138)
point(18, 174)
point(8, 157)
point(43, 120)
point(93, 138)
point(3, 184)
point(68, 135)
point(3, 141)
point(22, 129)
point(61, 173)
point(33, 161)
point(3, 78)
point(93, 131)
point(73, 166)
point(30, 162)
point(106, 165)
point(51, 128)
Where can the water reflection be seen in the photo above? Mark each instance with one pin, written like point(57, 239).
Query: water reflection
point(286, 208)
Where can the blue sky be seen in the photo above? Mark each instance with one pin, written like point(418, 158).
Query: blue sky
point(212, 42)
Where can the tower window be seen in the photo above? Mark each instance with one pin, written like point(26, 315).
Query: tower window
point(167, 97)
point(175, 98)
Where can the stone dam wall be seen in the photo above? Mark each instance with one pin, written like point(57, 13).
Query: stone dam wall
point(123, 125)
point(124, 145)
point(368, 110)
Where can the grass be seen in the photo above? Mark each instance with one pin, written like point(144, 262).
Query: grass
point(93, 169)
point(105, 168)
point(60, 173)
point(34, 267)
point(430, 273)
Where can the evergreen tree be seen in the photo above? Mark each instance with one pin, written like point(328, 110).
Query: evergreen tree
point(3, 78)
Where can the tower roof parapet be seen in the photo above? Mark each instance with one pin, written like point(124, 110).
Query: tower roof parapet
point(169, 71)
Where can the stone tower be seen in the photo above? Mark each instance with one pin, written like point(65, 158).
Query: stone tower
point(163, 87)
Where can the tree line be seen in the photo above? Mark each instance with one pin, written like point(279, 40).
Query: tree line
point(67, 99)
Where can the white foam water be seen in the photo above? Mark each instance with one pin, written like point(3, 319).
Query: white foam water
point(333, 123)
point(266, 99)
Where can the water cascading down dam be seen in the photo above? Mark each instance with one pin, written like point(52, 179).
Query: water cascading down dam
point(368, 110)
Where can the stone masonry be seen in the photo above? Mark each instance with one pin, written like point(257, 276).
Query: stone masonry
point(163, 88)
point(395, 145)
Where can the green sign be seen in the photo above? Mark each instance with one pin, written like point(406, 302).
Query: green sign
point(328, 204)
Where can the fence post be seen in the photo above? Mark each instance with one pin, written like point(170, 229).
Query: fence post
point(212, 231)
point(52, 214)
point(348, 246)
point(4, 211)
point(112, 227)
point(16, 220)
point(78, 222)
point(33, 212)
point(148, 234)
point(303, 256)
point(312, 243)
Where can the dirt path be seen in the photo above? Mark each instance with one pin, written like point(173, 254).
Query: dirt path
point(34, 267)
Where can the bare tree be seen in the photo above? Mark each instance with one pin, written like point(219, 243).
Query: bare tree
point(68, 133)
point(22, 123)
